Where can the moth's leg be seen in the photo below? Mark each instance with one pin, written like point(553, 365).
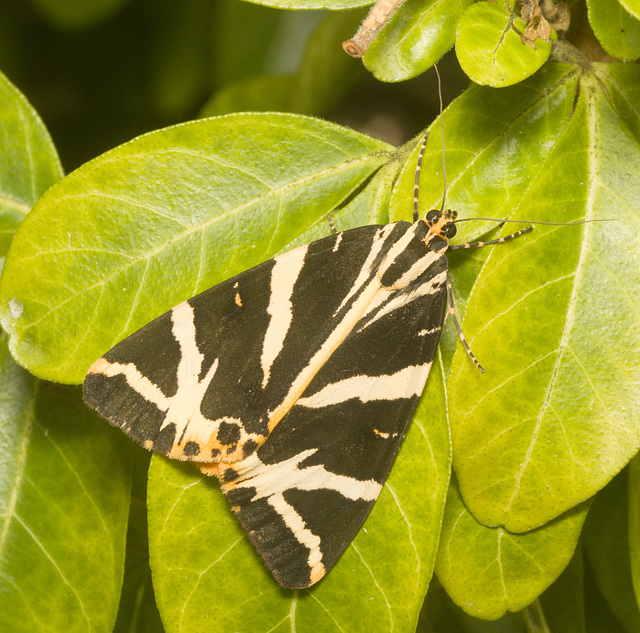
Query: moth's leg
point(452, 314)
point(331, 224)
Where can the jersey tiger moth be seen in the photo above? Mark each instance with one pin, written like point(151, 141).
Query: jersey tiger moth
point(294, 382)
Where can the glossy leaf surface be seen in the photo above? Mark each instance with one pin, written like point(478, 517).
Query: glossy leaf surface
point(489, 571)
point(552, 318)
point(30, 163)
point(155, 221)
point(62, 519)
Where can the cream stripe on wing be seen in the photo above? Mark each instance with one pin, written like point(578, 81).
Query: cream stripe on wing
point(271, 479)
point(303, 534)
point(365, 270)
point(137, 381)
point(185, 404)
point(391, 302)
point(183, 408)
point(406, 383)
point(284, 275)
point(363, 296)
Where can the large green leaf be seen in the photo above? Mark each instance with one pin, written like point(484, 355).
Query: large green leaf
point(623, 88)
point(488, 571)
point(553, 315)
point(64, 485)
point(208, 578)
point(30, 163)
point(64, 497)
point(134, 232)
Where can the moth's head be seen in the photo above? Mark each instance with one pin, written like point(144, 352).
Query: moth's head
point(442, 223)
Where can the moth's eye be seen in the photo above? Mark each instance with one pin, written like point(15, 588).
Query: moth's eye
point(450, 230)
point(432, 216)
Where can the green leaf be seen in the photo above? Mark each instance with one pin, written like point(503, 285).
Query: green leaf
point(606, 541)
point(489, 571)
point(77, 14)
point(242, 37)
point(616, 29)
point(414, 39)
point(64, 497)
point(62, 520)
point(30, 163)
point(326, 73)
point(369, 206)
point(205, 571)
point(157, 220)
point(632, 6)
point(553, 315)
point(490, 52)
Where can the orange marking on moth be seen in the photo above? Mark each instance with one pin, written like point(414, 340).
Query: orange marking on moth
point(208, 469)
point(317, 572)
point(100, 366)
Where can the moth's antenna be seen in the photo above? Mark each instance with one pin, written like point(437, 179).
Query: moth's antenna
point(444, 166)
point(534, 221)
point(416, 182)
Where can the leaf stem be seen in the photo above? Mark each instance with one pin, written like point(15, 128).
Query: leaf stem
point(533, 618)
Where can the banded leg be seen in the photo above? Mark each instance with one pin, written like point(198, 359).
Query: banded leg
point(452, 314)
point(334, 230)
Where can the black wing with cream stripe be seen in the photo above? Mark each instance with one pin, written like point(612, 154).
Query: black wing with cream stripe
point(305, 493)
point(208, 380)
point(294, 382)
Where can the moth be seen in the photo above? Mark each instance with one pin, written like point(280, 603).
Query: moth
point(294, 382)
